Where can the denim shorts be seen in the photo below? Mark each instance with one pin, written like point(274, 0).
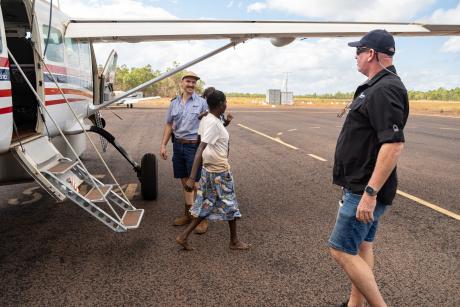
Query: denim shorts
point(183, 157)
point(348, 232)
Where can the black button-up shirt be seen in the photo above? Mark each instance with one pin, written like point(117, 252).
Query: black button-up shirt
point(376, 116)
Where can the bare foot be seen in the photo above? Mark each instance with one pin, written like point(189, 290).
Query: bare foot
point(183, 242)
point(239, 245)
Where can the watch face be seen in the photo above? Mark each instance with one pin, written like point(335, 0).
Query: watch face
point(369, 190)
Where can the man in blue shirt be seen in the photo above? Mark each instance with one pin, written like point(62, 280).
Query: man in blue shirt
point(182, 120)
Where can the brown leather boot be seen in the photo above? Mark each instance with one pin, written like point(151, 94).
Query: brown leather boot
point(202, 227)
point(185, 219)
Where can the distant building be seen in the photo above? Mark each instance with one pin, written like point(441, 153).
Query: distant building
point(275, 96)
point(287, 98)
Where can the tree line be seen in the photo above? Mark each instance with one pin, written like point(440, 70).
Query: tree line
point(437, 94)
point(128, 78)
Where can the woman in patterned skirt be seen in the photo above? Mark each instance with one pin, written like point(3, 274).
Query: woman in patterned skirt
point(216, 199)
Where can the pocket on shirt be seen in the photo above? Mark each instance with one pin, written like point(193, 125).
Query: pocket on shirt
point(174, 114)
point(194, 112)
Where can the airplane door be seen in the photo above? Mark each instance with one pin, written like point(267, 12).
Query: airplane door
point(108, 77)
point(6, 105)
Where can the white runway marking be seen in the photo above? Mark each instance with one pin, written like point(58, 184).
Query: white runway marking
point(290, 130)
point(429, 205)
point(317, 157)
point(279, 133)
point(434, 115)
point(314, 127)
point(131, 190)
point(269, 137)
point(447, 128)
point(32, 194)
point(278, 140)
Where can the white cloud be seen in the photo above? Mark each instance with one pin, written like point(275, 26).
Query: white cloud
point(230, 4)
point(257, 7)
point(451, 45)
point(357, 10)
point(449, 16)
point(123, 9)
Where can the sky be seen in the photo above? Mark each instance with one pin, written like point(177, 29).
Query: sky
point(314, 65)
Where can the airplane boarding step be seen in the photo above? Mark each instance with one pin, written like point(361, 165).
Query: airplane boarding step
point(63, 178)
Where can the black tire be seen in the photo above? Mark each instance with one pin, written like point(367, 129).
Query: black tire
point(149, 177)
point(131, 106)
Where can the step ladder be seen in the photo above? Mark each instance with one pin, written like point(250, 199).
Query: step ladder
point(63, 178)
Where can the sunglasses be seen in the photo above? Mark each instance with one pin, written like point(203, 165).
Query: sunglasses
point(360, 50)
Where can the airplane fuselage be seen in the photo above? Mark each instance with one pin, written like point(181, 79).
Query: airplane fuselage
point(68, 64)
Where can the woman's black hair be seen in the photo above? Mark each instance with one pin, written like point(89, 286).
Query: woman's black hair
point(208, 92)
point(215, 99)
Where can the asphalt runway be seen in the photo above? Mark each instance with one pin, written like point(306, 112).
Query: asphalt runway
point(57, 255)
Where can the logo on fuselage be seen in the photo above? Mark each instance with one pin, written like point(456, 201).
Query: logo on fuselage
point(4, 74)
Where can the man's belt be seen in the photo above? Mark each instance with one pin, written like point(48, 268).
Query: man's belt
point(184, 141)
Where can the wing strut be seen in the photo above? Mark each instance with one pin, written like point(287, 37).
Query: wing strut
point(167, 74)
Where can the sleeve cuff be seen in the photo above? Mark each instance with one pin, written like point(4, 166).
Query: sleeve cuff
point(390, 136)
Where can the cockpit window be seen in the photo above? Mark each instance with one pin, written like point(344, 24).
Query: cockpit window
point(55, 49)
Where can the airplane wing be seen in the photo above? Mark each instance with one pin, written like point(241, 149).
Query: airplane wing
point(280, 32)
point(133, 31)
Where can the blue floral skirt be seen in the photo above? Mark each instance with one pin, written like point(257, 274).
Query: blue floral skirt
point(216, 199)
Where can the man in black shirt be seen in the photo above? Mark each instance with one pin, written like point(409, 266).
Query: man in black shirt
point(367, 150)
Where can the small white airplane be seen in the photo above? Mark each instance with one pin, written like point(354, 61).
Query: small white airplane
point(49, 84)
point(132, 99)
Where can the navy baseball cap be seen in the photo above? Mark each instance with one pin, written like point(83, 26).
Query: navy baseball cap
point(379, 40)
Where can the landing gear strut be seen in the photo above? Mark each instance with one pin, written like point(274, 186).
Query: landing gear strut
point(147, 172)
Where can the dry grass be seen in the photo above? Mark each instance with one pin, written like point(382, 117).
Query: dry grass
point(436, 107)
point(416, 106)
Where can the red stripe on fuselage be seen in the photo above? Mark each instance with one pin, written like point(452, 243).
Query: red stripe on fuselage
point(62, 70)
point(69, 91)
point(6, 110)
point(61, 101)
point(5, 93)
point(4, 62)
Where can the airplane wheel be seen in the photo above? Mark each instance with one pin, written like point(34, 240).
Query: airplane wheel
point(131, 106)
point(149, 177)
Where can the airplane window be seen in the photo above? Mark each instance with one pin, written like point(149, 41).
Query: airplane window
point(85, 56)
point(71, 48)
point(55, 51)
point(86, 65)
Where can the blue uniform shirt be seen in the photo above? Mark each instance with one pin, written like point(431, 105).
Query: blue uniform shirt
point(184, 117)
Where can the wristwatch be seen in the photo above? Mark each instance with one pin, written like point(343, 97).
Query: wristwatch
point(370, 191)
